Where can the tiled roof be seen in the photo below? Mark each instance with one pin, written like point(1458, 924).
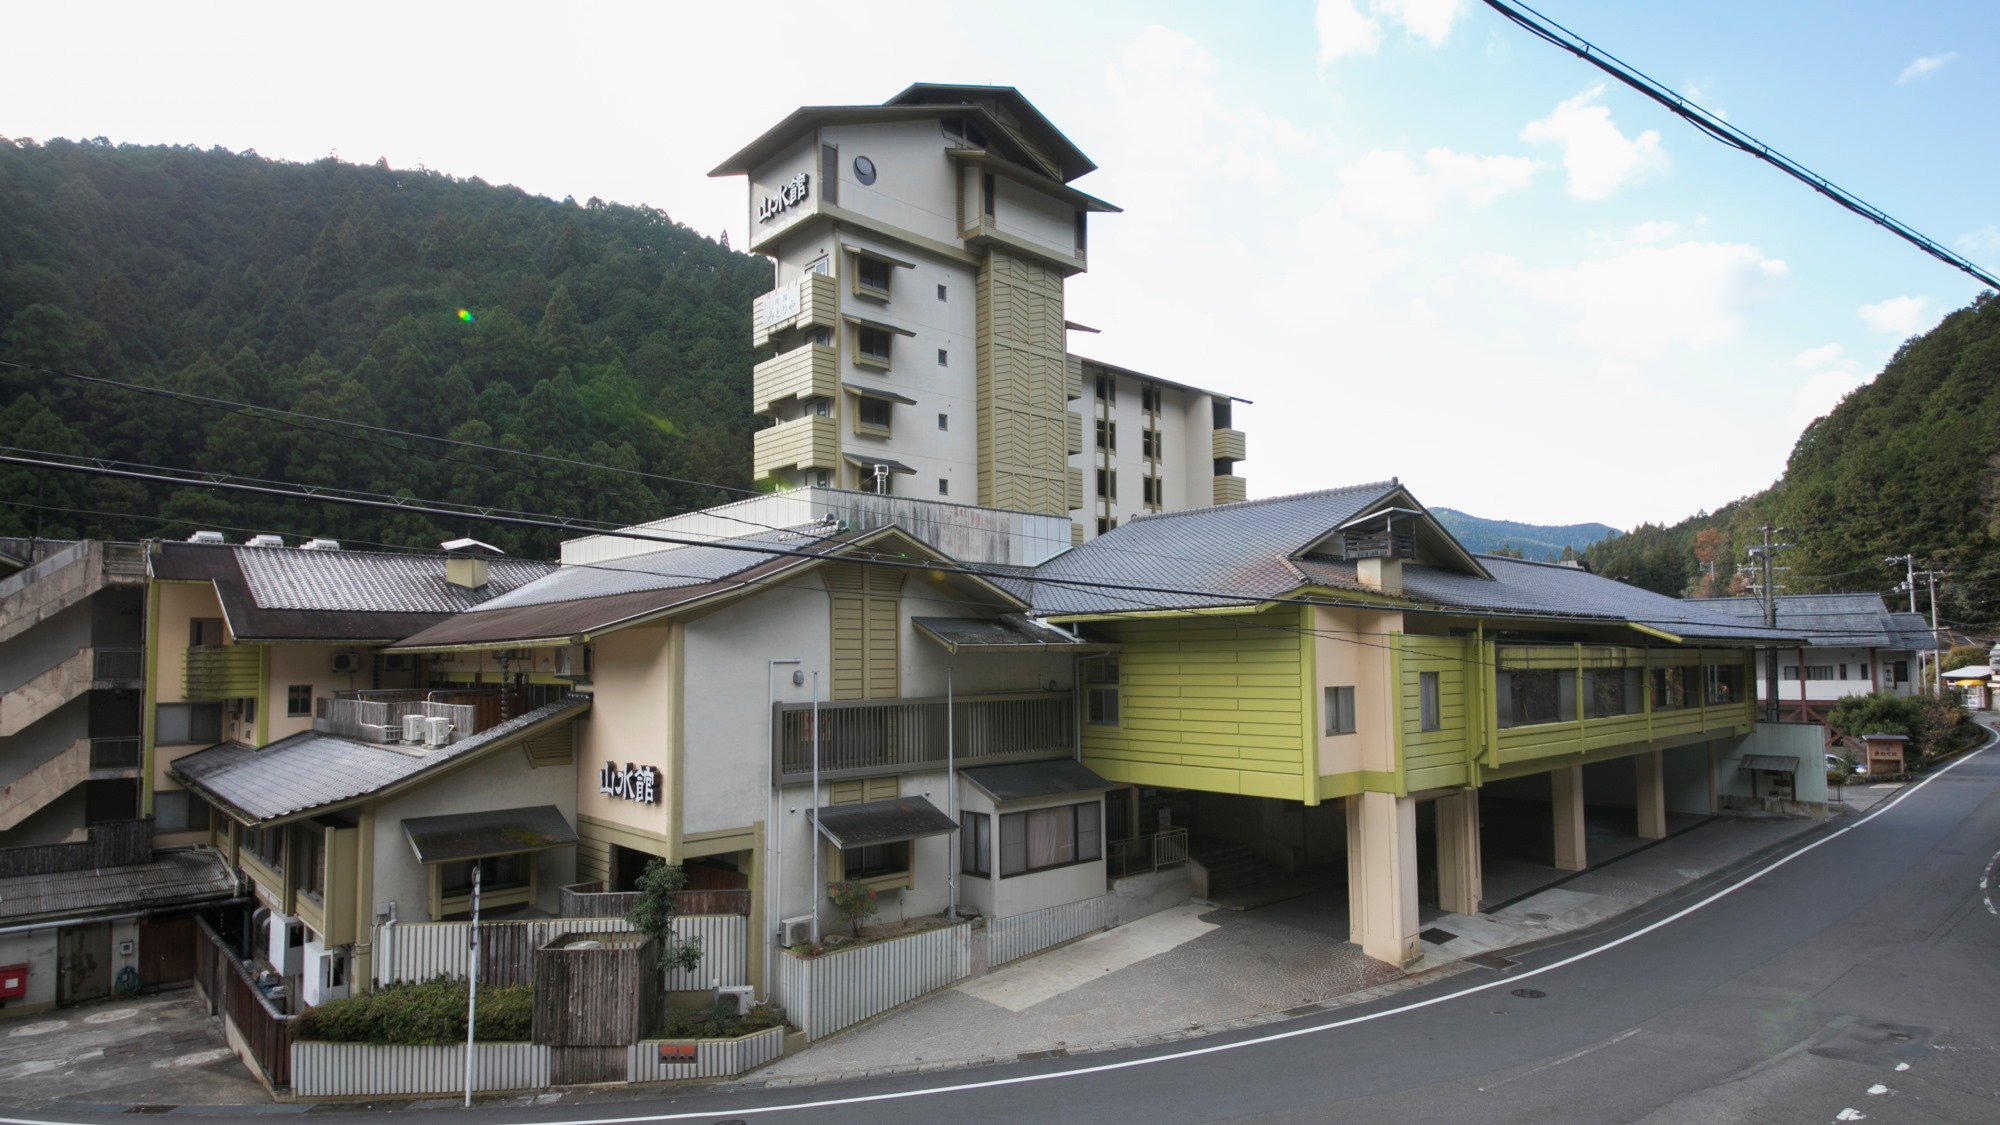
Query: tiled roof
point(1834, 620)
point(372, 582)
point(174, 877)
point(667, 569)
point(312, 770)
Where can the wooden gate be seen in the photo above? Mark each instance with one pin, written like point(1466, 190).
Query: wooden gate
point(84, 965)
point(166, 951)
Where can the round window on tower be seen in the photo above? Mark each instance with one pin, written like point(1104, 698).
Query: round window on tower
point(864, 170)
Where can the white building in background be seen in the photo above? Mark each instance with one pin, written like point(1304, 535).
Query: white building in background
point(1859, 647)
point(922, 248)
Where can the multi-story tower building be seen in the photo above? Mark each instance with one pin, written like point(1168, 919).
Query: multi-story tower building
point(922, 247)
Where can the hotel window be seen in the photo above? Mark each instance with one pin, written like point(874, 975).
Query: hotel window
point(944, 487)
point(871, 276)
point(1819, 671)
point(940, 292)
point(1149, 399)
point(312, 862)
point(1530, 696)
point(871, 415)
point(869, 482)
point(944, 421)
point(267, 844)
point(1103, 525)
point(1428, 714)
point(1611, 691)
point(1149, 442)
point(1107, 484)
point(1340, 710)
point(876, 861)
point(1150, 488)
point(1789, 672)
point(1723, 684)
point(944, 358)
point(987, 192)
point(829, 173)
point(1100, 690)
point(1107, 389)
point(871, 346)
point(975, 843)
point(1221, 412)
point(498, 873)
point(1107, 435)
point(1670, 688)
point(1045, 838)
point(298, 700)
point(175, 723)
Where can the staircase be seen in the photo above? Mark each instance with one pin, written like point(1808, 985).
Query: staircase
point(27, 795)
point(1233, 869)
point(63, 579)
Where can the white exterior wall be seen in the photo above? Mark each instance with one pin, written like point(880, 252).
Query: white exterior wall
point(502, 781)
point(996, 897)
point(1027, 214)
point(1880, 665)
point(1186, 424)
point(915, 187)
point(769, 179)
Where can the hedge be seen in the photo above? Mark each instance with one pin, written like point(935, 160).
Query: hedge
point(422, 1015)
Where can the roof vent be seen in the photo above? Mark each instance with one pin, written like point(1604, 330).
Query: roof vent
point(207, 537)
point(265, 541)
point(465, 563)
point(320, 545)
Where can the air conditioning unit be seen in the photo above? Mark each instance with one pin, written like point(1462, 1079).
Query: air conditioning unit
point(210, 537)
point(744, 995)
point(265, 541)
point(320, 545)
point(413, 728)
point(346, 662)
point(398, 662)
point(437, 732)
point(795, 931)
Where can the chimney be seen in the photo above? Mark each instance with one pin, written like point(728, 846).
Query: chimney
point(465, 563)
point(1385, 575)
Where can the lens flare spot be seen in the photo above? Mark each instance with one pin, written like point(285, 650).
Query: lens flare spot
point(465, 315)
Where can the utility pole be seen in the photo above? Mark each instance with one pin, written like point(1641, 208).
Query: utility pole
point(1937, 657)
point(1910, 575)
point(1762, 553)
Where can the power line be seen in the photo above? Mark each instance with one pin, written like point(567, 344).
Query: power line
point(1721, 130)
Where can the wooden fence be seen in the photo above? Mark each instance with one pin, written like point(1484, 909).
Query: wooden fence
point(592, 993)
point(823, 994)
point(260, 1032)
point(117, 844)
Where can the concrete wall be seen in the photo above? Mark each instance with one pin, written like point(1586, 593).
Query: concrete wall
point(1185, 422)
point(39, 950)
point(1686, 772)
point(1803, 741)
point(502, 781)
point(1349, 650)
point(996, 897)
point(916, 185)
point(767, 180)
point(45, 646)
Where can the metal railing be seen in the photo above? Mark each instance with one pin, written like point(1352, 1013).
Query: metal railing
point(591, 900)
point(878, 736)
point(114, 753)
point(118, 664)
point(1146, 853)
point(381, 720)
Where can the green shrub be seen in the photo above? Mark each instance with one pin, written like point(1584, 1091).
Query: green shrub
point(427, 1014)
point(1877, 713)
point(718, 1022)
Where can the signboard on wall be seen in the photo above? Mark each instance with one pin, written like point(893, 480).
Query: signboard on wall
point(791, 195)
point(634, 783)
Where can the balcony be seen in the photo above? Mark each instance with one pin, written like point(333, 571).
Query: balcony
point(1074, 488)
point(1075, 433)
point(803, 443)
point(874, 737)
point(1231, 490)
point(377, 716)
point(1228, 445)
point(216, 672)
point(810, 302)
point(1072, 378)
point(812, 371)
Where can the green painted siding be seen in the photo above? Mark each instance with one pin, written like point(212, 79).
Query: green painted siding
point(1431, 759)
point(1209, 703)
point(1544, 744)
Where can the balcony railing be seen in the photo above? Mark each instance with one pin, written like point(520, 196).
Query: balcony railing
point(378, 716)
point(1228, 445)
point(221, 672)
point(812, 442)
point(591, 900)
point(810, 302)
point(1231, 490)
point(811, 371)
point(861, 738)
point(1147, 853)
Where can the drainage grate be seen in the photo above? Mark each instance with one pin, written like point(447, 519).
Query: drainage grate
point(1530, 993)
point(1491, 961)
point(1437, 936)
point(1031, 1056)
point(1302, 1010)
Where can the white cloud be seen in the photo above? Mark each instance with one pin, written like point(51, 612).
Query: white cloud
point(1164, 75)
point(1829, 374)
point(1599, 158)
point(1388, 186)
point(1903, 316)
point(1479, 180)
point(1655, 231)
point(1985, 240)
point(1344, 29)
point(1648, 300)
point(1925, 67)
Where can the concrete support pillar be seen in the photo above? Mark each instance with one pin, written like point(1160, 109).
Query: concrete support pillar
point(1566, 786)
point(1650, 796)
point(1382, 877)
point(1460, 882)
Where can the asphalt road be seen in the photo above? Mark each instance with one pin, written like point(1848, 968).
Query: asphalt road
point(1860, 976)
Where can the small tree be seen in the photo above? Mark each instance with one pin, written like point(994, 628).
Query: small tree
point(855, 902)
point(653, 915)
point(1964, 656)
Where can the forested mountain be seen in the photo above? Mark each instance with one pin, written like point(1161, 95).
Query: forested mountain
point(1524, 540)
point(408, 299)
point(1907, 464)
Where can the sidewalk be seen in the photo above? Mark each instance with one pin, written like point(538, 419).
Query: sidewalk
point(1197, 969)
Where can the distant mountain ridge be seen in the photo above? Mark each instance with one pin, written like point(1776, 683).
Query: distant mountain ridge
point(1533, 540)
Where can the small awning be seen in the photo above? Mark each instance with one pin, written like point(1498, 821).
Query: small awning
point(876, 324)
point(881, 822)
point(866, 462)
point(1011, 632)
point(877, 255)
point(1036, 779)
point(1770, 763)
point(872, 392)
point(442, 839)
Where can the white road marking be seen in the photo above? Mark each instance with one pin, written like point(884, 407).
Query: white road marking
point(1508, 981)
point(1877, 1090)
point(1571, 1057)
point(1986, 884)
point(1850, 1115)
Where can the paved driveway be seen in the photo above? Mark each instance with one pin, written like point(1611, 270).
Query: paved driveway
point(151, 1051)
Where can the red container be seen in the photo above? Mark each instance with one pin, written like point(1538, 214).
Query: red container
point(13, 981)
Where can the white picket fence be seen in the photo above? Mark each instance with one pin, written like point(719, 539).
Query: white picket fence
point(333, 1070)
point(421, 951)
point(1014, 937)
point(823, 994)
point(713, 1058)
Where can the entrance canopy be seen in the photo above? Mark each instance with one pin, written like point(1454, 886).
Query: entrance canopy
point(1770, 763)
point(881, 822)
point(478, 835)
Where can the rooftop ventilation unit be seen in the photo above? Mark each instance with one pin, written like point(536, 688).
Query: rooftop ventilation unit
point(437, 732)
point(413, 728)
point(346, 662)
point(207, 537)
point(320, 545)
point(265, 541)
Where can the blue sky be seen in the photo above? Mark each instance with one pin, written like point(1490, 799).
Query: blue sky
point(1425, 243)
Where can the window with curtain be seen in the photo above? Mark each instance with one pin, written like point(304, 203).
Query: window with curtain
point(1046, 838)
point(975, 843)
